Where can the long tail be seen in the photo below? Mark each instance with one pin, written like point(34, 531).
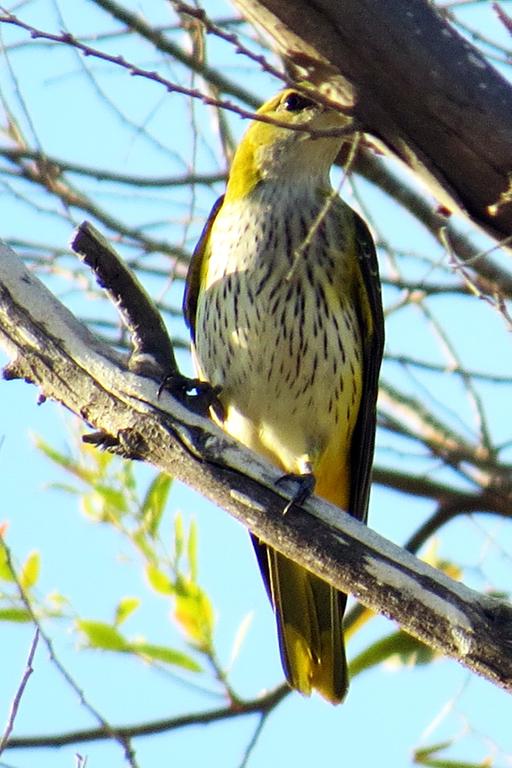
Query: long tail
point(309, 617)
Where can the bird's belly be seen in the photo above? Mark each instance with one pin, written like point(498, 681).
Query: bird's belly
point(287, 357)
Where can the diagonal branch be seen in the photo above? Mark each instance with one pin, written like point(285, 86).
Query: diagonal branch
point(49, 347)
point(415, 84)
point(19, 693)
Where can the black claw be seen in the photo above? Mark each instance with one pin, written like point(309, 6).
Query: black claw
point(194, 393)
point(305, 489)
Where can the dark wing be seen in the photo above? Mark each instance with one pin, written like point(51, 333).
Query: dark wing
point(371, 319)
point(193, 280)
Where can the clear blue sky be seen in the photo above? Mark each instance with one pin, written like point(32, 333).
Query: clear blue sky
point(389, 712)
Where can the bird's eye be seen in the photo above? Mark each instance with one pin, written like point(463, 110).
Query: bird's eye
point(296, 102)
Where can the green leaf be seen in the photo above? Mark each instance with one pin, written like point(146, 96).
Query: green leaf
point(15, 614)
point(102, 635)
point(179, 536)
point(425, 752)
point(5, 570)
point(194, 613)
point(166, 655)
point(405, 648)
point(125, 607)
point(141, 541)
point(127, 475)
point(113, 500)
point(73, 490)
point(30, 570)
point(154, 502)
point(66, 462)
point(192, 550)
point(159, 580)
point(100, 460)
point(425, 756)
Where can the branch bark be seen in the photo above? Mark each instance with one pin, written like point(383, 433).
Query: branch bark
point(415, 84)
point(52, 349)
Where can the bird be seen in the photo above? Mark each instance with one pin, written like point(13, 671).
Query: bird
point(283, 303)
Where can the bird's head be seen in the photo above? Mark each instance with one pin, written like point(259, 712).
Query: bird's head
point(269, 152)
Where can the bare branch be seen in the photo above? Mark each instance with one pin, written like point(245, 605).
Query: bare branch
point(67, 38)
point(121, 739)
point(261, 705)
point(152, 350)
point(19, 693)
point(429, 105)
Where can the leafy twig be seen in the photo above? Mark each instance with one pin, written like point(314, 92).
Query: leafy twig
point(122, 739)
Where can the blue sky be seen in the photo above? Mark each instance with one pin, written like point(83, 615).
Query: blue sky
point(389, 711)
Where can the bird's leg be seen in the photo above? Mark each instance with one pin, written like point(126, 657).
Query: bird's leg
point(305, 487)
point(194, 393)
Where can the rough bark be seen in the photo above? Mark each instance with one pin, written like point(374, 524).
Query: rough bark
point(413, 83)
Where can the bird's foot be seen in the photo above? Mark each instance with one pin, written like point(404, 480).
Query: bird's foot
point(194, 393)
point(305, 488)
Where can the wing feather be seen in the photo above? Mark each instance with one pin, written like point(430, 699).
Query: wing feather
point(193, 280)
point(371, 319)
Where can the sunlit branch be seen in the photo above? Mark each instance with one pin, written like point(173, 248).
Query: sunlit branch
point(260, 705)
point(68, 39)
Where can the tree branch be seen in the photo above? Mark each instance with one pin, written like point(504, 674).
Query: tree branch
point(51, 348)
point(261, 705)
point(19, 693)
point(415, 84)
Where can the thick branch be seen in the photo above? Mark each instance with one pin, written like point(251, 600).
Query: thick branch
point(415, 84)
point(51, 348)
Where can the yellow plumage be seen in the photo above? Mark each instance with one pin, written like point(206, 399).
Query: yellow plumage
point(283, 301)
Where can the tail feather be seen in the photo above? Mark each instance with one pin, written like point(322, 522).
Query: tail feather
point(309, 617)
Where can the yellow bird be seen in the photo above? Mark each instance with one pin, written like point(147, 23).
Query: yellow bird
point(284, 307)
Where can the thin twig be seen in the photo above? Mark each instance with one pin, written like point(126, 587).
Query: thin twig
point(229, 37)
point(112, 733)
point(19, 693)
point(67, 38)
point(261, 705)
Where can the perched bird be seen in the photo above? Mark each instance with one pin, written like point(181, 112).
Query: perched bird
point(284, 307)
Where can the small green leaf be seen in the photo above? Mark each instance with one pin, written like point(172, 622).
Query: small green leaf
point(66, 462)
point(91, 507)
point(113, 500)
point(127, 476)
point(100, 461)
point(154, 502)
point(102, 635)
point(179, 536)
point(5, 570)
point(192, 550)
point(30, 571)
point(159, 580)
point(194, 613)
point(125, 607)
point(141, 541)
point(15, 614)
point(166, 655)
point(404, 647)
point(425, 756)
point(450, 763)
